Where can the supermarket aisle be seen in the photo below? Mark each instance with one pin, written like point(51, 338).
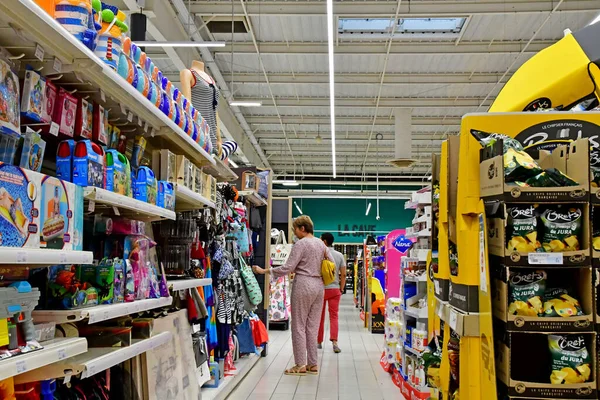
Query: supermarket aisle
point(354, 374)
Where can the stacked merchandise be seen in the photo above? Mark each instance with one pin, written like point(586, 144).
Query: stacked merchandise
point(280, 305)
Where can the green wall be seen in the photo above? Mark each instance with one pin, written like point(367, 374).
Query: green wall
point(334, 215)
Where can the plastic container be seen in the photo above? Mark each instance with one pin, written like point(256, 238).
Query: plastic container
point(88, 165)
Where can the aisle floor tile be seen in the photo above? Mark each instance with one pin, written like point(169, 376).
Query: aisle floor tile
point(354, 374)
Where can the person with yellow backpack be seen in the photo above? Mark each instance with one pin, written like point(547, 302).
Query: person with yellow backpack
point(312, 263)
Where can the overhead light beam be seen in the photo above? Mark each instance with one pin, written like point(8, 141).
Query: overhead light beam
point(331, 80)
point(180, 44)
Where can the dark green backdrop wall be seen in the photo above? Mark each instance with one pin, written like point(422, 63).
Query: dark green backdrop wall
point(346, 219)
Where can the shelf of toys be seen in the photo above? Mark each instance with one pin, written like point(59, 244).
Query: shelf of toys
point(125, 197)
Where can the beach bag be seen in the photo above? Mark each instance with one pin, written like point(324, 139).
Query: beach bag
point(280, 252)
point(250, 282)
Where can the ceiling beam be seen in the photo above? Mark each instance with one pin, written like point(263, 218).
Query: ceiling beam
point(369, 102)
point(385, 8)
point(361, 78)
point(355, 141)
point(347, 120)
point(379, 47)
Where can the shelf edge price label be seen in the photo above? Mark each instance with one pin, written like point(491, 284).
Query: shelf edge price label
point(453, 319)
point(130, 116)
point(21, 257)
point(440, 310)
point(54, 128)
point(123, 110)
point(21, 366)
point(140, 122)
point(62, 257)
point(39, 52)
point(545, 258)
point(62, 354)
point(57, 65)
point(102, 96)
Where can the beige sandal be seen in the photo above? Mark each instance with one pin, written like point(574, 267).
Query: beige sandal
point(312, 369)
point(296, 370)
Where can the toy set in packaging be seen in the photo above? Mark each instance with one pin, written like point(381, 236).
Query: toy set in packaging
point(118, 173)
point(166, 195)
point(32, 98)
point(32, 153)
point(144, 185)
point(84, 119)
point(88, 164)
point(64, 160)
point(49, 102)
point(9, 100)
point(100, 124)
point(65, 110)
point(61, 214)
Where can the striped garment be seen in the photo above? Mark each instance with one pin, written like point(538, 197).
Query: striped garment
point(205, 98)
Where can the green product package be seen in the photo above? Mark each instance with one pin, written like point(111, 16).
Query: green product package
point(571, 361)
point(521, 229)
point(519, 166)
point(526, 291)
point(558, 303)
point(488, 139)
point(105, 280)
point(562, 229)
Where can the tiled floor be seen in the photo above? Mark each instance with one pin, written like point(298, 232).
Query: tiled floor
point(354, 374)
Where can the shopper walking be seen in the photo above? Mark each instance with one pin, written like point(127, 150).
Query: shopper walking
point(333, 294)
point(307, 294)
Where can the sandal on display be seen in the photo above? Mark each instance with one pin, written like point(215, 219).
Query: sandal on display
point(296, 370)
point(312, 369)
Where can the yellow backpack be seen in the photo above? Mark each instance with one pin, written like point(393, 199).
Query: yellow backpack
point(327, 270)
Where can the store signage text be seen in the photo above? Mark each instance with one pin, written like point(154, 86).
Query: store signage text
point(356, 230)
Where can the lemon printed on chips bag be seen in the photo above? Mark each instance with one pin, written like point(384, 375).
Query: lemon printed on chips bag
point(562, 228)
point(558, 303)
point(570, 359)
point(526, 291)
point(522, 230)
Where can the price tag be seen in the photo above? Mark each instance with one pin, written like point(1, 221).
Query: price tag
point(130, 116)
point(152, 133)
point(453, 319)
point(545, 258)
point(105, 316)
point(21, 257)
point(140, 122)
point(39, 52)
point(21, 366)
point(440, 310)
point(91, 206)
point(123, 110)
point(146, 127)
point(116, 211)
point(57, 65)
point(54, 128)
point(62, 258)
point(91, 370)
point(102, 96)
point(62, 354)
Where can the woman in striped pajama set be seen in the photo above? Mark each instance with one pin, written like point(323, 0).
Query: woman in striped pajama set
point(307, 294)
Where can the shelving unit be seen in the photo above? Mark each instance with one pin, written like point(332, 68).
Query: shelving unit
point(95, 360)
point(220, 171)
point(100, 313)
point(182, 284)
point(124, 205)
point(22, 255)
point(228, 383)
point(253, 197)
point(187, 200)
point(81, 67)
point(53, 351)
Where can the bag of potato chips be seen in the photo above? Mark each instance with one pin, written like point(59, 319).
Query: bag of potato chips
point(522, 229)
point(558, 303)
point(526, 290)
point(570, 359)
point(562, 228)
point(488, 139)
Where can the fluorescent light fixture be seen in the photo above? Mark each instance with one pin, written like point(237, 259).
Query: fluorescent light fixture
point(331, 81)
point(233, 164)
point(595, 20)
point(298, 208)
point(180, 44)
point(246, 104)
point(290, 183)
point(368, 209)
point(429, 177)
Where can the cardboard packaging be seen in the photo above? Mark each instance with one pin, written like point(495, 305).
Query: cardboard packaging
point(139, 146)
point(145, 185)
point(9, 100)
point(572, 159)
point(100, 124)
point(184, 171)
point(166, 195)
point(118, 173)
point(64, 112)
point(61, 214)
point(579, 280)
point(501, 254)
point(32, 97)
point(49, 102)
point(165, 162)
point(88, 165)
point(84, 120)
point(32, 154)
point(36, 209)
point(198, 181)
point(522, 367)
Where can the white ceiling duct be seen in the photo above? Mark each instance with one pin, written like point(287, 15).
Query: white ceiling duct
point(402, 139)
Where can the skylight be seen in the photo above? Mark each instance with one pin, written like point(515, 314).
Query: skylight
point(405, 26)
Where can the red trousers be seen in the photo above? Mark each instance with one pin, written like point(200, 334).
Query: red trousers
point(332, 296)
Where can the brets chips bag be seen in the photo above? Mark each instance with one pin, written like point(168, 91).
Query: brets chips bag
point(558, 303)
point(570, 359)
point(522, 229)
point(562, 228)
point(526, 291)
